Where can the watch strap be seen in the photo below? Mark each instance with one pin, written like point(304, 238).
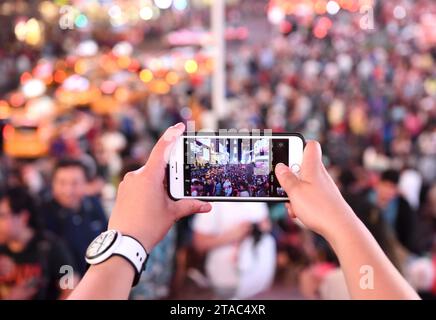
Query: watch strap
point(133, 251)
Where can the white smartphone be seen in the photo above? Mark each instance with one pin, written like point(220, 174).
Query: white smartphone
point(232, 167)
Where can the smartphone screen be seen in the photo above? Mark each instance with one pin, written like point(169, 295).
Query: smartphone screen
point(233, 167)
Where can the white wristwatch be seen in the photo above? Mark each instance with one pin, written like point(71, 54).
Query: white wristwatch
point(113, 243)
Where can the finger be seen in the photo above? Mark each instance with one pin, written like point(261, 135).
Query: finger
point(288, 208)
point(287, 179)
point(160, 154)
point(187, 207)
point(290, 211)
point(246, 227)
point(312, 158)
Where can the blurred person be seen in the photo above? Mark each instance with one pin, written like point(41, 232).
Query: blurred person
point(33, 179)
point(368, 213)
point(113, 142)
point(429, 211)
point(147, 214)
point(333, 286)
point(227, 188)
point(70, 213)
point(421, 274)
point(155, 282)
point(183, 252)
point(30, 259)
point(395, 210)
point(410, 185)
point(27, 174)
point(427, 149)
point(295, 244)
point(243, 190)
point(427, 226)
point(226, 238)
point(420, 271)
point(313, 280)
point(218, 187)
point(209, 187)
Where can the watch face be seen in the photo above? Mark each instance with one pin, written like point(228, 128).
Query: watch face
point(101, 244)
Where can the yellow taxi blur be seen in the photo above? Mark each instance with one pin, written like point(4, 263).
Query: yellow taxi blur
point(24, 141)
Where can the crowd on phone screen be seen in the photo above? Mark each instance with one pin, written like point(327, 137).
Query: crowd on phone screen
point(231, 180)
point(369, 98)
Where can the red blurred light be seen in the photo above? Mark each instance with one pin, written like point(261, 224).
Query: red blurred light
point(325, 23)
point(60, 76)
point(320, 33)
point(8, 131)
point(108, 87)
point(134, 66)
point(49, 80)
point(26, 76)
point(322, 27)
point(285, 27)
point(16, 99)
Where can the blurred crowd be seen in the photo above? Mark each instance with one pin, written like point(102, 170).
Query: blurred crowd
point(369, 97)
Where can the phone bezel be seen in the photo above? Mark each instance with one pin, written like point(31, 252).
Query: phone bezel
point(223, 199)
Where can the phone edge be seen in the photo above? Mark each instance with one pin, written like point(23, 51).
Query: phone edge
point(167, 173)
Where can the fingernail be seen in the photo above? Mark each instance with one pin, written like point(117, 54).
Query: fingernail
point(179, 125)
point(173, 132)
point(281, 168)
point(204, 207)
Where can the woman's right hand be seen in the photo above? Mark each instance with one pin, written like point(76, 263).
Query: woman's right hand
point(314, 197)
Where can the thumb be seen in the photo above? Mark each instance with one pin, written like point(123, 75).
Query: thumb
point(286, 177)
point(160, 154)
point(312, 159)
point(187, 207)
